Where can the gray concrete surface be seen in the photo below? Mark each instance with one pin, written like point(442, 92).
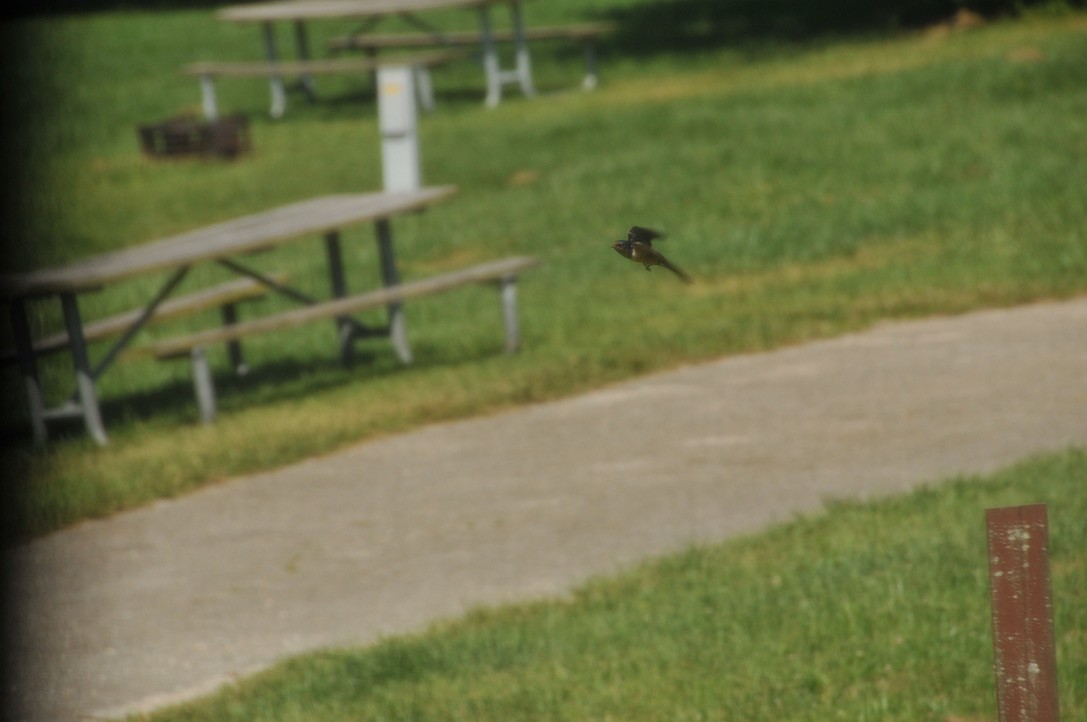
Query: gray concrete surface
point(172, 600)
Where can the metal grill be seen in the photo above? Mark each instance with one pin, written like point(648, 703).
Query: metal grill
point(225, 137)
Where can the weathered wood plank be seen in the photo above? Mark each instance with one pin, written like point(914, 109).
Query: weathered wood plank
point(241, 235)
point(368, 41)
point(295, 68)
point(313, 9)
point(1024, 650)
point(493, 271)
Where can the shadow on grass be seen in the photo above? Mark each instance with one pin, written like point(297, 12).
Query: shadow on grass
point(685, 25)
point(276, 381)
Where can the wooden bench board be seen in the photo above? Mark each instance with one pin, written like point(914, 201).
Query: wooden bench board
point(492, 271)
point(293, 68)
point(239, 289)
point(313, 9)
point(362, 41)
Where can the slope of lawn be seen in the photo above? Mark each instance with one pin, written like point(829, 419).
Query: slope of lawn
point(812, 185)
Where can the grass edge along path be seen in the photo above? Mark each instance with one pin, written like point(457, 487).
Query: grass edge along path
point(868, 611)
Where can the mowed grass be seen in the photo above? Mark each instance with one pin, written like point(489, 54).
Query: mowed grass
point(875, 611)
point(811, 188)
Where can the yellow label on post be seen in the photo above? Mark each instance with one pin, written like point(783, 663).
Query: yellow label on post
point(391, 88)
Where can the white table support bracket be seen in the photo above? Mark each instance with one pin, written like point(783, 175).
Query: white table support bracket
point(398, 329)
point(508, 291)
point(84, 400)
point(203, 384)
point(496, 76)
point(29, 369)
point(88, 397)
point(148, 311)
point(275, 82)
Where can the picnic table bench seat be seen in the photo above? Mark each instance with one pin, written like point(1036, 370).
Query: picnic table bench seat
point(208, 71)
point(505, 272)
point(587, 33)
point(224, 296)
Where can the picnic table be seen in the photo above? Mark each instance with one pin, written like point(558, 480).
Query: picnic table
point(299, 12)
point(222, 244)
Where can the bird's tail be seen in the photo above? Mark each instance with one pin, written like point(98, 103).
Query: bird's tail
point(678, 271)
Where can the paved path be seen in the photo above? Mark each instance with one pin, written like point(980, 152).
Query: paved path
point(171, 600)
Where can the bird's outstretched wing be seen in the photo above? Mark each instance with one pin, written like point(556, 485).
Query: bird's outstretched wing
point(643, 235)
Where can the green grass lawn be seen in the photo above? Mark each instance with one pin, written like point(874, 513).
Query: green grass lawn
point(812, 185)
point(873, 611)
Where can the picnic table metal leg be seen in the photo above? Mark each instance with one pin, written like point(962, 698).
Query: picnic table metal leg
point(508, 290)
point(282, 289)
point(141, 321)
point(267, 281)
point(490, 59)
point(371, 54)
point(344, 327)
point(275, 82)
point(207, 97)
point(88, 397)
point(397, 326)
point(301, 40)
point(204, 384)
point(29, 367)
point(424, 88)
point(589, 83)
point(279, 98)
point(229, 312)
point(524, 62)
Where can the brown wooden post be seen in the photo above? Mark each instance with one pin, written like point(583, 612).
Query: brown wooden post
point(1024, 658)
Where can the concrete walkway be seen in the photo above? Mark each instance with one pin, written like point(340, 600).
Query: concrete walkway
point(171, 600)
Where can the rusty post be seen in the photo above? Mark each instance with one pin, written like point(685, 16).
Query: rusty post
point(1024, 658)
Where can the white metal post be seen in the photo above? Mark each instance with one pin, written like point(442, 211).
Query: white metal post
point(397, 119)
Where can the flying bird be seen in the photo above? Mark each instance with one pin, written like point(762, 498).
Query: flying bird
point(638, 247)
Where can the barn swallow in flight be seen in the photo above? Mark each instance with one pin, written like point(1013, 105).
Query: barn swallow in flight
point(638, 247)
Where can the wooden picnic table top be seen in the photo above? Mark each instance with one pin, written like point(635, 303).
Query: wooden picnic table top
point(314, 9)
point(241, 235)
